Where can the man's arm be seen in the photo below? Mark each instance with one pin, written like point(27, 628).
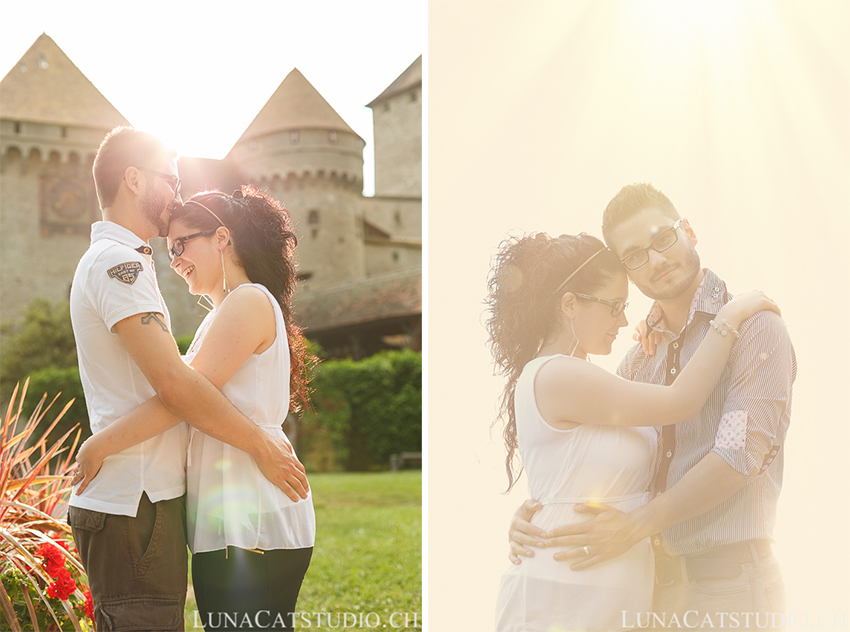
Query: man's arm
point(613, 532)
point(751, 429)
point(192, 397)
point(764, 369)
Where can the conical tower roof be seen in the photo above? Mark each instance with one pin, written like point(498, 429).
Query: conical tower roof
point(406, 80)
point(46, 87)
point(296, 104)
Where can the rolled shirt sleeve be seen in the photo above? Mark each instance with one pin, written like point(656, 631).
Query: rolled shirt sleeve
point(757, 408)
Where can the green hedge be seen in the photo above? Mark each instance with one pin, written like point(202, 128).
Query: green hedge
point(365, 411)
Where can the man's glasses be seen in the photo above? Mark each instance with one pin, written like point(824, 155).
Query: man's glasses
point(617, 307)
point(179, 244)
point(173, 181)
point(664, 241)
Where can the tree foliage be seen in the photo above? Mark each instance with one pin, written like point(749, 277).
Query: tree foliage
point(42, 339)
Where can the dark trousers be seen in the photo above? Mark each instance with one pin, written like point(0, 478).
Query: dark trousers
point(245, 590)
point(136, 566)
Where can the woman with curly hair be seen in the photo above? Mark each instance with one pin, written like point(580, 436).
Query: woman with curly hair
point(581, 433)
point(251, 543)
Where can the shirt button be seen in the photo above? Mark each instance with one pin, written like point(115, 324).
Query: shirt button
point(657, 541)
point(675, 345)
point(673, 371)
point(669, 453)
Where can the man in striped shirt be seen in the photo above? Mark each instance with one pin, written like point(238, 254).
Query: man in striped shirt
point(713, 504)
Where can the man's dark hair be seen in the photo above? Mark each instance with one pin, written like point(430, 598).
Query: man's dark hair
point(631, 200)
point(121, 148)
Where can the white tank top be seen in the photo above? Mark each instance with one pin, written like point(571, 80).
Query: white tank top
point(229, 501)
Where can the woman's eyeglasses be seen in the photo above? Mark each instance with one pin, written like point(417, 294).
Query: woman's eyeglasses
point(617, 307)
point(179, 244)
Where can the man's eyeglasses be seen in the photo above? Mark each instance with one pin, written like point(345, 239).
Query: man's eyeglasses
point(664, 241)
point(179, 244)
point(173, 181)
point(617, 307)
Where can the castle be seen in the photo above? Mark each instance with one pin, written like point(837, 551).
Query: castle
point(359, 258)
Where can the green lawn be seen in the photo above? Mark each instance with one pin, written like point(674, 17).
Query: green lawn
point(366, 571)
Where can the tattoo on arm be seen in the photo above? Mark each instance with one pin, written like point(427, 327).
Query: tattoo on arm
point(150, 317)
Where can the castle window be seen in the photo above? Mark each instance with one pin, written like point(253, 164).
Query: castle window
point(395, 255)
point(397, 217)
point(414, 96)
point(42, 62)
point(293, 137)
point(17, 127)
point(64, 132)
point(386, 106)
point(314, 233)
point(333, 138)
point(313, 217)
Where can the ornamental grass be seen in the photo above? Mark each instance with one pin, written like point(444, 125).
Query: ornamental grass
point(43, 582)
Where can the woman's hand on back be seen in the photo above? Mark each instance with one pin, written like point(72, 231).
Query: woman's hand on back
point(745, 305)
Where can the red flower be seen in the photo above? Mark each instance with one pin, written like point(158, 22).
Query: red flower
point(54, 560)
point(63, 586)
point(89, 604)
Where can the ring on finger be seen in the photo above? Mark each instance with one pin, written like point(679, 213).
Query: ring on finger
point(586, 550)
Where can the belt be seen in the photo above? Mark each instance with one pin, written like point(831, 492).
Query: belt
point(720, 562)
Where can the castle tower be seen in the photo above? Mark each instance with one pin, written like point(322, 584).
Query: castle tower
point(397, 115)
point(302, 151)
point(52, 120)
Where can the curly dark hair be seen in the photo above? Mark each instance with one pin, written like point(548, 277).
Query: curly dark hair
point(264, 243)
point(524, 302)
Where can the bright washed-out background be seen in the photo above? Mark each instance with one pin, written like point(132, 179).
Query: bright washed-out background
point(539, 113)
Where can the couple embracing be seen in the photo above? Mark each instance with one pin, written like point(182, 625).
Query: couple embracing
point(654, 491)
point(147, 483)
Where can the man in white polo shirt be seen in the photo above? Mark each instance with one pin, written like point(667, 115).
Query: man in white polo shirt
point(129, 523)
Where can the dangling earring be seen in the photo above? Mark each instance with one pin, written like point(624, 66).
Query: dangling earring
point(577, 344)
point(204, 297)
point(225, 287)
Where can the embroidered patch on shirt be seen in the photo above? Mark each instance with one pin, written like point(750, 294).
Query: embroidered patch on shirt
point(769, 458)
point(126, 272)
point(732, 433)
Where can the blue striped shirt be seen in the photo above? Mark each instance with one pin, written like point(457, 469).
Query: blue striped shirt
point(744, 420)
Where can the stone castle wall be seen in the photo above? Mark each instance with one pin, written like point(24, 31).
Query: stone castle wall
point(398, 144)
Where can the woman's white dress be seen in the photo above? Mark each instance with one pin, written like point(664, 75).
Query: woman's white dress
point(609, 464)
point(229, 502)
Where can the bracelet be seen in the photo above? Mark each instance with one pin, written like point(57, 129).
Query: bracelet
point(723, 328)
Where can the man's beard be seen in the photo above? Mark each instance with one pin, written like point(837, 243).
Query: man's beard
point(153, 204)
point(691, 266)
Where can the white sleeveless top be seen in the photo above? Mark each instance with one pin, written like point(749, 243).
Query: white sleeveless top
point(229, 502)
point(609, 464)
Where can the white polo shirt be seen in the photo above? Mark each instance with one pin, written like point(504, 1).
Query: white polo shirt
point(114, 281)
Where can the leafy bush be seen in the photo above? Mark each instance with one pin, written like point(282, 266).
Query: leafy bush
point(41, 346)
point(366, 409)
point(42, 339)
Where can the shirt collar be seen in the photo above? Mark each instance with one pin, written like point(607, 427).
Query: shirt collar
point(116, 232)
point(710, 296)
